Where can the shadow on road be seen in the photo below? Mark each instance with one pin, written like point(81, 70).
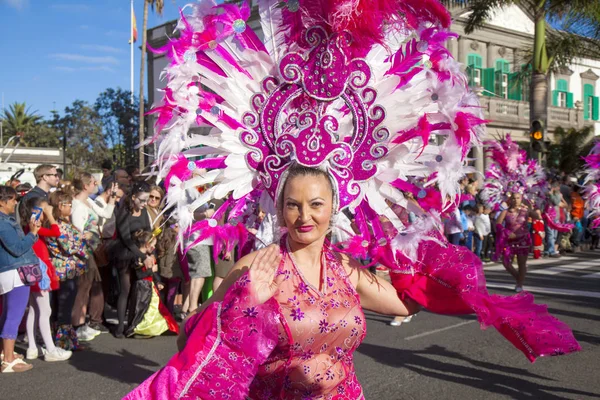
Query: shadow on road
point(484, 376)
point(125, 367)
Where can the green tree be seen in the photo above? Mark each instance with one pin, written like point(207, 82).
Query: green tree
point(158, 6)
point(86, 147)
point(578, 34)
point(120, 120)
point(573, 144)
point(42, 135)
point(19, 119)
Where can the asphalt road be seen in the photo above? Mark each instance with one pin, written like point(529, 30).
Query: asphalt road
point(432, 357)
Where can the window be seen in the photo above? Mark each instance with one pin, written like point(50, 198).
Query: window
point(561, 97)
point(502, 71)
point(474, 65)
point(588, 101)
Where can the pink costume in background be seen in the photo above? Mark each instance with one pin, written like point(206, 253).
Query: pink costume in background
point(308, 334)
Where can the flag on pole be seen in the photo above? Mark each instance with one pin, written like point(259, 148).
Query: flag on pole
point(134, 33)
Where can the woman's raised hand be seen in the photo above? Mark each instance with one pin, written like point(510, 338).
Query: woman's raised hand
point(263, 271)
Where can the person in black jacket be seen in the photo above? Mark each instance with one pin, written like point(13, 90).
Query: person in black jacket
point(131, 217)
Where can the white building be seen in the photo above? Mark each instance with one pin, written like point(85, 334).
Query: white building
point(492, 56)
point(27, 158)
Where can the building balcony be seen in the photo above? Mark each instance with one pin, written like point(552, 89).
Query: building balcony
point(512, 114)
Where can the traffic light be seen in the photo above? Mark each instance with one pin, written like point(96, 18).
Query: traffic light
point(537, 136)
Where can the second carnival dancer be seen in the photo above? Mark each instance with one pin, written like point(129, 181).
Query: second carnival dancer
point(514, 189)
point(332, 113)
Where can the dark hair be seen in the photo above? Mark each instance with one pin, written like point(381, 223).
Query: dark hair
point(141, 238)
point(136, 189)
point(26, 208)
point(167, 239)
point(106, 164)
point(7, 193)
point(58, 197)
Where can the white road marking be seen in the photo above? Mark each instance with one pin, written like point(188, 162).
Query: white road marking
point(595, 275)
point(563, 268)
point(439, 330)
point(557, 291)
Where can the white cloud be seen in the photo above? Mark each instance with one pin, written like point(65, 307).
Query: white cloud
point(65, 69)
point(102, 49)
point(71, 7)
point(103, 68)
point(113, 33)
point(85, 59)
point(18, 4)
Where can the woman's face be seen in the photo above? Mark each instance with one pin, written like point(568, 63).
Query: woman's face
point(140, 200)
point(150, 246)
point(154, 199)
point(9, 205)
point(516, 199)
point(307, 208)
point(92, 187)
point(65, 208)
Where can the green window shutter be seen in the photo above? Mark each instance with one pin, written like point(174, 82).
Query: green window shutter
point(489, 81)
point(499, 88)
point(471, 74)
point(569, 100)
point(514, 87)
point(555, 98)
point(595, 110)
point(506, 67)
point(588, 91)
point(562, 85)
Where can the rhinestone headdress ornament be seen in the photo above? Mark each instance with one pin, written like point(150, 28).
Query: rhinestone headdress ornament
point(365, 90)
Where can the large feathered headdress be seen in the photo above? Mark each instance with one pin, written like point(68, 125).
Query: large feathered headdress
point(365, 90)
point(511, 172)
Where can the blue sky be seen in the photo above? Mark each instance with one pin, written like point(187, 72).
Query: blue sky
point(60, 51)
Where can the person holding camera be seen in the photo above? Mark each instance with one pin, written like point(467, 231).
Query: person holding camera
point(16, 252)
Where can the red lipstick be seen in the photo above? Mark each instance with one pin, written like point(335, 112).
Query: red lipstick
point(305, 228)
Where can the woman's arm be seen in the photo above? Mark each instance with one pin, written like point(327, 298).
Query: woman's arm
point(53, 231)
point(501, 217)
point(103, 212)
point(125, 233)
point(13, 244)
point(377, 294)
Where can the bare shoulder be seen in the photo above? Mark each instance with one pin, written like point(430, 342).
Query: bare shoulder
point(353, 268)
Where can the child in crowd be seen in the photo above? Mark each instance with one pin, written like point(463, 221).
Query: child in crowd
point(169, 262)
point(466, 218)
point(69, 258)
point(483, 228)
point(148, 316)
point(40, 310)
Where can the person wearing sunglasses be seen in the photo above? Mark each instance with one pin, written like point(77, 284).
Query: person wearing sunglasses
point(154, 206)
point(46, 179)
point(132, 216)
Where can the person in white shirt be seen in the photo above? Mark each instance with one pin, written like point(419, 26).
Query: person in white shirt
point(483, 228)
point(85, 217)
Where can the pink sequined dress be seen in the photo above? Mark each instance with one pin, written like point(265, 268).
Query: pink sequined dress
point(297, 345)
point(515, 223)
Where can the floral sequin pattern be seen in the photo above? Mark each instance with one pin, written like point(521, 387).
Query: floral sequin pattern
point(323, 326)
point(68, 252)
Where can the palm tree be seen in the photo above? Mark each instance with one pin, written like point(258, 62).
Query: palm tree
point(576, 35)
point(18, 119)
point(158, 6)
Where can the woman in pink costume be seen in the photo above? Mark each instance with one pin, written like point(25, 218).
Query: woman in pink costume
point(513, 234)
point(332, 113)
